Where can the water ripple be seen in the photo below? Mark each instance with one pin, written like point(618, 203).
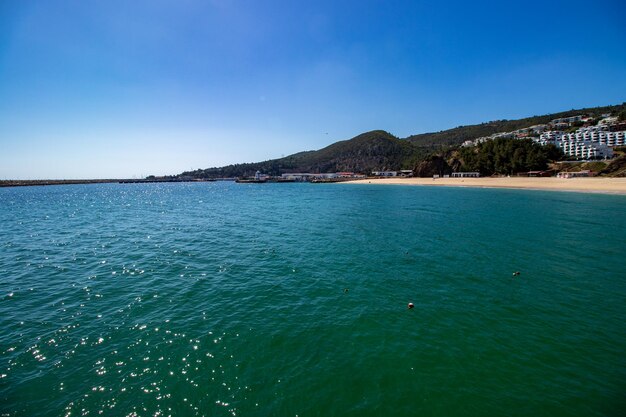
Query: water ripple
point(218, 299)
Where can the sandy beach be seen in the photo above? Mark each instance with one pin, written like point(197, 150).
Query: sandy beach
point(586, 185)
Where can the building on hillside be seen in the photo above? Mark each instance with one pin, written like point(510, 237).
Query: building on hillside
point(608, 120)
point(585, 149)
point(550, 136)
point(560, 126)
point(617, 127)
point(538, 129)
point(612, 138)
point(588, 130)
point(504, 135)
point(567, 120)
point(593, 142)
point(595, 134)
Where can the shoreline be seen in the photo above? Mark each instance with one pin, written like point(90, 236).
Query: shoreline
point(32, 183)
point(598, 185)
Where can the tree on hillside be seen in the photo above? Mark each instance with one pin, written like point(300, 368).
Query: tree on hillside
point(508, 156)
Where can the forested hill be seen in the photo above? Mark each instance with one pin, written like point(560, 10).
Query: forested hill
point(379, 150)
point(366, 152)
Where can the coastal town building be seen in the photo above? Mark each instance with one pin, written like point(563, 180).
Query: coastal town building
point(385, 173)
point(608, 120)
point(477, 141)
point(307, 176)
point(592, 142)
point(401, 173)
point(597, 135)
point(465, 174)
point(578, 174)
point(567, 120)
point(587, 142)
point(550, 136)
point(577, 147)
point(616, 127)
point(560, 126)
point(585, 149)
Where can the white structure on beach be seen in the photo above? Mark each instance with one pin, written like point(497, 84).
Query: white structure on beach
point(307, 176)
point(585, 173)
point(465, 174)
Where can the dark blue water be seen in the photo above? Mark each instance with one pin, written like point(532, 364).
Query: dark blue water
point(291, 299)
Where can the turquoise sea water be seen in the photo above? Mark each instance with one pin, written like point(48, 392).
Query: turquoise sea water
point(225, 299)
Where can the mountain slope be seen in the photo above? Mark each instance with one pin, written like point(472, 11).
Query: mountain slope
point(366, 152)
point(379, 150)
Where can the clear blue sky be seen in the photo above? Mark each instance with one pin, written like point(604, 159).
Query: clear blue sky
point(101, 89)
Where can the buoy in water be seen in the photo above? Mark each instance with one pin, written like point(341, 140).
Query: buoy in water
point(411, 305)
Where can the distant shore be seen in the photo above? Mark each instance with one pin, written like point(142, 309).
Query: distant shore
point(27, 183)
point(602, 185)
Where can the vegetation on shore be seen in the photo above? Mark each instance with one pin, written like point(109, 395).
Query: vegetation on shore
point(426, 154)
point(496, 157)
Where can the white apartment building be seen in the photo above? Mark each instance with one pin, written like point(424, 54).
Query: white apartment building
point(465, 174)
point(596, 136)
point(585, 149)
point(612, 138)
point(593, 142)
point(572, 119)
point(550, 136)
point(597, 128)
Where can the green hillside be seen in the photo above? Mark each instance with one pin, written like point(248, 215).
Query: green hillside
point(457, 135)
point(366, 152)
point(380, 150)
